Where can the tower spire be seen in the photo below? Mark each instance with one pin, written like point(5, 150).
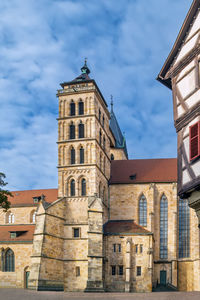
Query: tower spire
point(85, 69)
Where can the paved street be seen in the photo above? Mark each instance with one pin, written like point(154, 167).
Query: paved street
point(20, 294)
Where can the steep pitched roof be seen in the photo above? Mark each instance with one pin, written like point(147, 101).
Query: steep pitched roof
point(143, 171)
point(26, 197)
point(25, 233)
point(120, 141)
point(181, 36)
point(114, 227)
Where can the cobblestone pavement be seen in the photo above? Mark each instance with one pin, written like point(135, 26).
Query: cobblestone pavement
point(21, 294)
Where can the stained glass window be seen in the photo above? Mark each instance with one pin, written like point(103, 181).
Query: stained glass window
point(9, 261)
point(163, 227)
point(184, 228)
point(143, 211)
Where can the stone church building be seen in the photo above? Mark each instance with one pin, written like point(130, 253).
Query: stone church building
point(113, 224)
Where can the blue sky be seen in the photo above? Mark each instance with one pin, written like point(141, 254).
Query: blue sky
point(44, 43)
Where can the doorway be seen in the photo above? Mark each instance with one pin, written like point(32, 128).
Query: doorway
point(163, 277)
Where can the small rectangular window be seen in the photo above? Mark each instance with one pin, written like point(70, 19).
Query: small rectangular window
point(119, 247)
point(136, 248)
point(114, 247)
point(141, 248)
point(113, 269)
point(121, 272)
point(139, 271)
point(78, 271)
point(76, 232)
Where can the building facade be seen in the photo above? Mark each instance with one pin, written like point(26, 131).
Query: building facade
point(181, 74)
point(113, 224)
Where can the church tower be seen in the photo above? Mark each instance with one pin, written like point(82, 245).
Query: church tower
point(83, 174)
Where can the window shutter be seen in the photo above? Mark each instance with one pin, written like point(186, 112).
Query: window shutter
point(195, 140)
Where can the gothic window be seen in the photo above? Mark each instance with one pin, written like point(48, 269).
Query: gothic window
point(112, 157)
point(104, 142)
point(136, 248)
point(83, 187)
point(9, 261)
point(72, 108)
point(73, 153)
point(81, 107)
point(72, 131)
point(100, 134)
point(184, 228)
point(81, 130)
point(163, 227)
point(81, 155)
point(72, 187)
point(103, 121)
point(143, 211)
point(11, 218)
point(99, 115)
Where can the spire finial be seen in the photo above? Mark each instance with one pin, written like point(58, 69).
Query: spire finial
point(111, 102)
point(85, 69)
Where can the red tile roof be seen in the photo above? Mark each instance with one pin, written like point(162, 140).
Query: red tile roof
point(26, 197)
point(27, 232)
point(144, 170)
point(124, 227)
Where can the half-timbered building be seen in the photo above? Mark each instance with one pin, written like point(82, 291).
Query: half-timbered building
point(181, 73)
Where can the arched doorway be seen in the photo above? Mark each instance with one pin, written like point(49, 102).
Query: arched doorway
point(26, 277)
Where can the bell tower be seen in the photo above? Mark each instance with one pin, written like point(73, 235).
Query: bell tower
point(83, 174)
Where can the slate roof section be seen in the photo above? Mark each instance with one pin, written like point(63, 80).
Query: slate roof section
point(27, 232)
point(177, 45)
point(120, 141)
point(26, 197)
point(115, 227)
point(143, 171)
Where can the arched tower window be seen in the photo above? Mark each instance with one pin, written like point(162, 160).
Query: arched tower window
point(163, 227)
point(99, 115)
point(81, 130)
point(81, 155)
point(72, 187)
point(104, 142)
point(72, 108)
point(143, 211)
point(103, 121)
point(184, 228)
point(112, 157)
point(9, 261)
point(83, 187)
point(11, 218)
point(72, 131)
point(81, 107)
point(100, 134)
point(73, 154)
